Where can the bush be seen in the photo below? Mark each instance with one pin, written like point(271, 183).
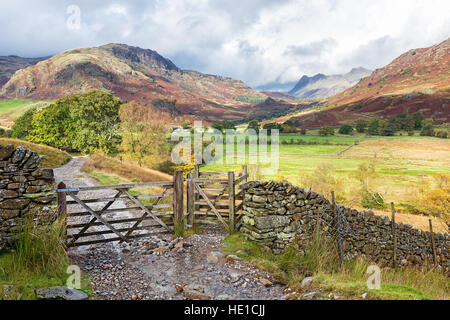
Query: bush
point(346, 129)
point(442, 134)
point(373, 200)
point(361, 127)
point(427, 130)
point(326, 131)
point(388, 129)
point(223, 125)
point(374, 127)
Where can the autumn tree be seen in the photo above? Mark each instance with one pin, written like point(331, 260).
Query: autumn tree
point(144, 134)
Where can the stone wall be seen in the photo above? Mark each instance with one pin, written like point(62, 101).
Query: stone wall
point(25, 189)
point(277, 213)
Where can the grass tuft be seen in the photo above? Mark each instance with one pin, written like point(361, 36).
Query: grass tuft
point(39, 260)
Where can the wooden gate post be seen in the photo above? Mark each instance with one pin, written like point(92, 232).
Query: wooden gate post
point(231, 201)
point(394, 237)
point(245, 172)
point(190, 201)
point(62, 205)
point(196, 195)
point(178, 214)
point(433, 246)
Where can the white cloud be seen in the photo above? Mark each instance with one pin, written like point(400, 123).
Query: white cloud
point(257, 41)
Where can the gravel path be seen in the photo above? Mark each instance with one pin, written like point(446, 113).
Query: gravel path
point(162, 268)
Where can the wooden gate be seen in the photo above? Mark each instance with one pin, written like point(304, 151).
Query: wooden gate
point(212, 198)
point(123, 213)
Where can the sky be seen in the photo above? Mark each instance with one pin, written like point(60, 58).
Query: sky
point(257, 41)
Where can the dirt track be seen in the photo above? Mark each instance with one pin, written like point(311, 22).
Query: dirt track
point(138, 271)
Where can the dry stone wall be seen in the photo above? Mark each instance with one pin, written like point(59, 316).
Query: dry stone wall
point(277, 213)
point(25, 189)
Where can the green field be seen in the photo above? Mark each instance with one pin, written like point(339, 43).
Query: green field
point(11, 109)
point(401, 163)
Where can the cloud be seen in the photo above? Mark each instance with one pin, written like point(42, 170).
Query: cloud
point(257, 41)
point(313, 48)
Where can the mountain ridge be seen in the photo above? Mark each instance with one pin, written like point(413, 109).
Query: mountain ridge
point(324, 86)
point(417, 80)
point(137, 74)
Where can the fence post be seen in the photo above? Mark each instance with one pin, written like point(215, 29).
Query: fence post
point(433, 246)
point(245, 172)
point(339, 236)
point(394, 237)
point(231, 201)
point(178, 214)
point(196, 195)
point(62, 205)
point(190, 200)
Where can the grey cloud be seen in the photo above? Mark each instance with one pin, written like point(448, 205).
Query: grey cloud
point(313, 48)
point(256, 41)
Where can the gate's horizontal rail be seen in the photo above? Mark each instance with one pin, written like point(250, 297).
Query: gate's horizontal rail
point(149, 196)
point(218, 204)
point(81, 225)
point(212, 222)
point(203, 181)
point(102, 232)
point(118, 186)
point(211, 214)
point(85, 243)
point(213, 174)
point(86, 213)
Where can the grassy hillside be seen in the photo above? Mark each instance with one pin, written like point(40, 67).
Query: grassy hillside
point(53, 157)
point(124, 170)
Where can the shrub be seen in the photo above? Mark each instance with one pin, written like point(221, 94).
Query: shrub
point(433, 197)
point(388, 129)
point(442, 134)
point(361, 127)
point(427, 130)
point(326, 131)
point(374, 126)
point(372, 200)
point(346, 129)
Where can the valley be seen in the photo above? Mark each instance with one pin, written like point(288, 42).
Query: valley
point(105, 118)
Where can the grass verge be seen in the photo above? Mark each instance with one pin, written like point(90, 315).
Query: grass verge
point(39, 260)
point(320, 260)
point(53, 157)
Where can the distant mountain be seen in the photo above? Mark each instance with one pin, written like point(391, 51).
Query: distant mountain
point(323, 86)
point(10, 64)
point(142, 75)
point(418, 80)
